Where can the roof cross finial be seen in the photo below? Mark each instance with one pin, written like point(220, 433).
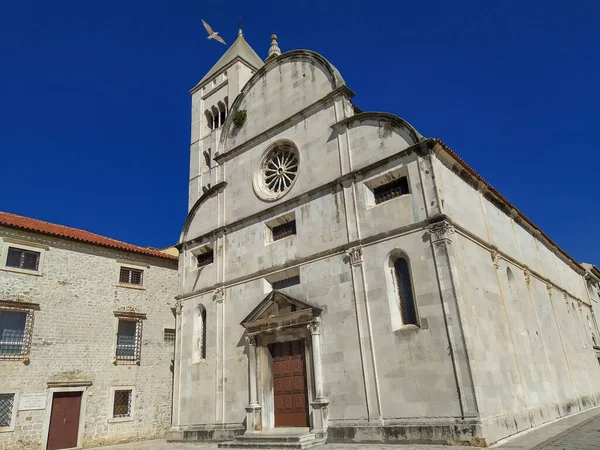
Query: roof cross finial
point(240, 22)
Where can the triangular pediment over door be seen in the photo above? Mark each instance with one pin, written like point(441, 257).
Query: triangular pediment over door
point(278, 310)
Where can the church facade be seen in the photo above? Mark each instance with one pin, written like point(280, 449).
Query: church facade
point(343, 278)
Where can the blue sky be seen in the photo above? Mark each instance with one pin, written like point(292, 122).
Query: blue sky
point(95, 110)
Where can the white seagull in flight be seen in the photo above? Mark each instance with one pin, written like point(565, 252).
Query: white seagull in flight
point(213, 34)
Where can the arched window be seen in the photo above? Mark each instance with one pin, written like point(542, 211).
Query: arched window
point(209, 119)
point(203, 335)
point(215, 113)
point(199, 335)
point(404, 289)
point(222, 113)
point(400, 291)
point(512, 285)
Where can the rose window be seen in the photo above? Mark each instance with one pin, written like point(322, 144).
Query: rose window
point(279, 169)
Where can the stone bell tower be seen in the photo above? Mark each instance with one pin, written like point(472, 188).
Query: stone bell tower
point(211, 99)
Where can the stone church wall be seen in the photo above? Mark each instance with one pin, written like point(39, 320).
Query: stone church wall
point(414, 370)
point(529, 340)
point(73, 340)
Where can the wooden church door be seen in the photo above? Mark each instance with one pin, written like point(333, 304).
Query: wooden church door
point(289, 384)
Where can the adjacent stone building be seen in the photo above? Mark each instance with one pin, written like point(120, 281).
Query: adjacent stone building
point(86, 337)
point(343, 275)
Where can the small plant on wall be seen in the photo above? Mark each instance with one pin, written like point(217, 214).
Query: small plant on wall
point(239, 118)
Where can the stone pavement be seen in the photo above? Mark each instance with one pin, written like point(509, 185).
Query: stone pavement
point(577, 432)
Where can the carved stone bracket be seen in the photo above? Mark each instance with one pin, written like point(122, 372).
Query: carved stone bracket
point(549, 288)
point(178, 306)
point(355, 255)
point(251, 340)
point(527, 275)
point(496, 257)
point(219, 295)
point(441, 231)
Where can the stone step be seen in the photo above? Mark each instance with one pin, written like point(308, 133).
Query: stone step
point(276, 437)
point(273, 442)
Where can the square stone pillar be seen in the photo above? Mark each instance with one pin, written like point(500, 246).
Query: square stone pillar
point(320, 403)
point(253, 410)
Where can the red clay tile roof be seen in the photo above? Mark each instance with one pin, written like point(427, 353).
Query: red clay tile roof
point(52, 229)
point(503, 199)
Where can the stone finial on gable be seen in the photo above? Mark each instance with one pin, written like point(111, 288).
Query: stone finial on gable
point(274, 50)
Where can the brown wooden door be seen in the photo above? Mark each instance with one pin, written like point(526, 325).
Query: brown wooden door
point(289, 384)
point(64, 420)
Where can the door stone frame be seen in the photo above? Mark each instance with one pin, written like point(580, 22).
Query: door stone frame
point(65, 387)
point(303, 323)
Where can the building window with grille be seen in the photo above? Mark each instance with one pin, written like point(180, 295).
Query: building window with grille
point(386, 187)
point(122, 403)
point(391, 190)
point(23, 259)
point(406, 301)
point(286, 282)
point(129, 338)
point(26, 257)
point(130, 276)
point(199, 342)
point(169, 335)
point(8, 409)
point(16, 326)
point(204, 257)
point(280, 228)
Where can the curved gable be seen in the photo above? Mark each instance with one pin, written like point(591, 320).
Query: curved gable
point(284, 86)
point(195, 224)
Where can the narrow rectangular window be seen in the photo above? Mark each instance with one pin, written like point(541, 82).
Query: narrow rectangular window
point(13, 333)
point(169, 335)
point(23, 259)
point(205, 258)
point(284, 230)
point(390, 190)
point(122, 403)
point(7, 402)
point(286, 282)
point(129, 340)
point(128, 275)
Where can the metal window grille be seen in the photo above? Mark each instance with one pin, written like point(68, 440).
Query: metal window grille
point(169, 335)
point(122, 404)
point(6, 409)
point(15, 333)
point(205, 258)
point(284, 230)
point(286, 282)
point(131, 276)
point(22, 259)
point(405, 294)
point(391, 190)
point(129, 337)
point(202, 335)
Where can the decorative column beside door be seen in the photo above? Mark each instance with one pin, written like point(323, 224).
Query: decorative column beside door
point(253, 410)
point(319, 403)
